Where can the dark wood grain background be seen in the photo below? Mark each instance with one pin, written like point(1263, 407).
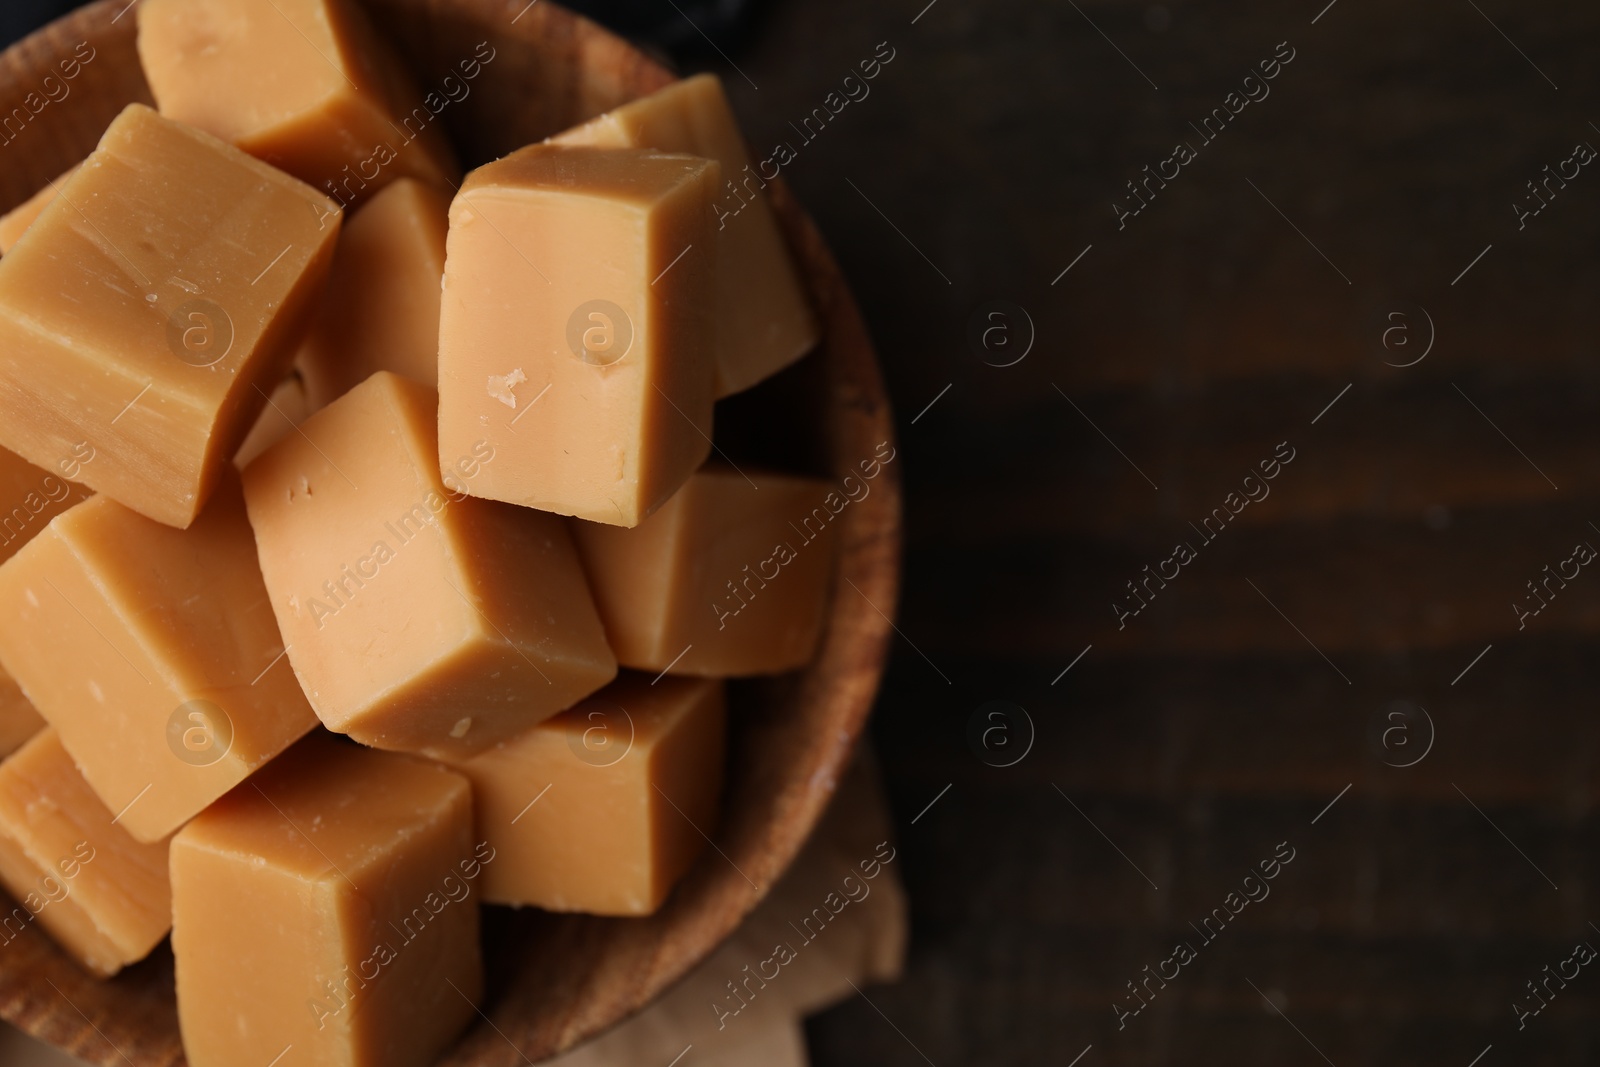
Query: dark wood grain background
point(1182, 749)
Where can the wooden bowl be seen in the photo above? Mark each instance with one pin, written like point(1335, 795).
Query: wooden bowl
point(553, 980)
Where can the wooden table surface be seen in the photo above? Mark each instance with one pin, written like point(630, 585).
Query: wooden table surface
point(1349, 640)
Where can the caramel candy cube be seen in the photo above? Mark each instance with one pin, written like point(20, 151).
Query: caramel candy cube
point(29, 499)
point(18, 719)
point(152, 306)
point(586, 273)
point(103, 896)
point(328, 907)
point(306, 85)
point(417, 618)
point(14, 223)
point(286, 408)
point(764, 322)
point(154, 654)
point(603, 808)
point(381, 308)
point(729, 578)
point(31, 496)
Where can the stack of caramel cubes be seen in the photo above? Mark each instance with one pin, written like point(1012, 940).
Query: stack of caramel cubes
point(363, 552)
